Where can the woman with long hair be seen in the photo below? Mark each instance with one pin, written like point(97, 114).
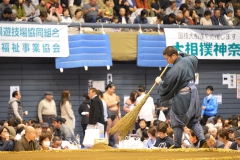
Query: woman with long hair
point(66, 110)
point(5, 143)
point(18, 6)
point(131, 102)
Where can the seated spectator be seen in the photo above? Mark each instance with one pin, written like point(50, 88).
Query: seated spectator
point(213, 132)
point(212, 142)
point(228, 17)
point(163, 141)
point(53, 16)
point(21, 14)
point(5, 4)
point(3, 123)
point(144, 137)
point(14, 15)
point(27, 142)
point(142, 18)
point(188, 20)
point(115, 21)
point(121, 4)
point(170, 19)
point(61, 130)
point(236, 145)
point(45, 127)
point(6, 144)
point(20, 131)
point(190, 4)
point(183, 7)
point(143, 126)
point(35, 3)
point(199, 10)
point(206, 20)
point(236, 19)
point(31, 13)
point(45, 141)
point(231, 131)
point(164, 4)
point(155, 7)
point(172, 8)
point(211, 7)
point(195, 143)
point(107, 11)
point(43, 16)
point(223, 137)
point(31, 122)
point(143, 4)
point(58, 7)
point(122, 18)
point(179, 19)
point(194, 16)
point(91, 12)
point(221, 7)
point(66, 16)
point(38, 131)
point(41, 6)
point(152, 134)
point(132, 5)
point(217, 19)
point(78, 18)
point(64, 3)
point(57, 143)
point(159, 19)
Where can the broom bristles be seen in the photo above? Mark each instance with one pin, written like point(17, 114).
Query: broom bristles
point(124, 125)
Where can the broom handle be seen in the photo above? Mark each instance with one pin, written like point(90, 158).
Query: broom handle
point(160, 77)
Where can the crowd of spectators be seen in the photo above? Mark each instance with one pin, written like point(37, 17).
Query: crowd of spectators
point(184, 12)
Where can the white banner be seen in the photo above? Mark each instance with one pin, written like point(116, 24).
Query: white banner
point(33, 40)
point(205, 44)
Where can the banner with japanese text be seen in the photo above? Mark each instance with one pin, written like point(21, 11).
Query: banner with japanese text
point(33, 40)
point(205, 44)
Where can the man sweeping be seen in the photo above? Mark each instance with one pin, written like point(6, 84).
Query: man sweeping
point(179, 85)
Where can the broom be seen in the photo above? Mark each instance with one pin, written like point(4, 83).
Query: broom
point(125, 124)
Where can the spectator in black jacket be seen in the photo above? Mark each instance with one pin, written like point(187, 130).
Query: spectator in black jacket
point(217, 19)
point(221, 7)
point(122, 18)
point(83, 110)
point(170, 19)
point(96, 108)
point(6, 15)
point(5, 143)
point(236, 145)
point(164, 4)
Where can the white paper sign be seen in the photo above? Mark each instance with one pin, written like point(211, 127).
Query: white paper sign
point(12, 89)
point(205, 44)
point(232, 81)
point(109, 78)
point(219, 98)
point(35, 40)
point(100, 85)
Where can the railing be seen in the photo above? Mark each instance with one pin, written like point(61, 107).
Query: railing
point(153, 26)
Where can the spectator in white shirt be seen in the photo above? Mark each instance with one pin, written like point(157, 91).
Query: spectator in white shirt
point(228, 17)
point(65, 16)
point(148, 110)
point(206, 20)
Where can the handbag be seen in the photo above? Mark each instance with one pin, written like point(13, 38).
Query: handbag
point(90, 135)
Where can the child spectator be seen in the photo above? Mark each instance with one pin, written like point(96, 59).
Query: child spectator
point(143, 125)
point(163, 140)
point(66, 17)
point(144, 137)
point(152, 132)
